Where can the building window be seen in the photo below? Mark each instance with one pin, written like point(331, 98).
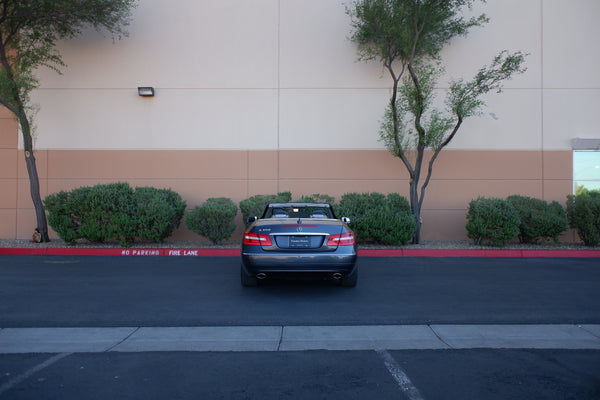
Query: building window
point(586, 165)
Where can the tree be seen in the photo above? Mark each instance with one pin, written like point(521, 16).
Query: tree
point(29, 31)
point(407, 36)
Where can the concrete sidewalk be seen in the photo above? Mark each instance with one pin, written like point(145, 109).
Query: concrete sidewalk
point(297, 338)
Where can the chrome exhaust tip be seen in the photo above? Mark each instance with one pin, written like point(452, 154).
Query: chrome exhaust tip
point(337, 276)
point(261, 275)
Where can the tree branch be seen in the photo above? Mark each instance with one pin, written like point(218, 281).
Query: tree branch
point(437, 151)
point(396, 132)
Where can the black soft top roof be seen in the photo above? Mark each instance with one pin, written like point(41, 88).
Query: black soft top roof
point(299, 205)
point(281, 205)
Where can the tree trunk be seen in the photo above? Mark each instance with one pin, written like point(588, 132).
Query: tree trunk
point(34, 186)
point(18, 108)
point(416, 209)
point(415, 201)
point(34, 182)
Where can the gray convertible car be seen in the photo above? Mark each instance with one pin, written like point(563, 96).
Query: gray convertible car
point(299, 240)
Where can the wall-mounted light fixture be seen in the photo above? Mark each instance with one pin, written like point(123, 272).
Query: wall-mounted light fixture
point(145, 91)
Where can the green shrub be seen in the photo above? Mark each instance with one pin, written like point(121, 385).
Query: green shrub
point(214, 219)
point(159, 212)
point(378, 218)
point(539, 220)
point(356, 207)
point(492, 221)
point(255, 205)
point(95, 213)
point(388, 226)
point(114, 212)
point(398, 202)
point(316, 198)
point(59, 216)
point(583, 211)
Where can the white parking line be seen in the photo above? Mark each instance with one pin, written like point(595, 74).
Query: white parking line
point(400, 376)
point(12, 383)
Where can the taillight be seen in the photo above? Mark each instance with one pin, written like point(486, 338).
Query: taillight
point(344, 239)
point(257, 239)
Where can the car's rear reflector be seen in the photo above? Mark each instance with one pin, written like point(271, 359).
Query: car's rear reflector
point(257, 239)
point(343, 239)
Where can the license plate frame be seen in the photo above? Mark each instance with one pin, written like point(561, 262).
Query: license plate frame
point(299, 242)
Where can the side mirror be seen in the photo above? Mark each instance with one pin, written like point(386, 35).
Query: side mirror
point(346, 220)
point(251, 219)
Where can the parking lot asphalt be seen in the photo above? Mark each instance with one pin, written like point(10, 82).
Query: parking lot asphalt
point(98, 304)
point(415, 327)
point(482, 374)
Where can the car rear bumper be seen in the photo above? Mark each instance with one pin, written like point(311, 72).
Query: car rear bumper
point(290, 262)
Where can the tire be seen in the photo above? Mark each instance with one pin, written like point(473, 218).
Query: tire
point(350, 280)
point(247, 279)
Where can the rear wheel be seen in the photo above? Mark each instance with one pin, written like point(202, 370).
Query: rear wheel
point(351, 279)
point(247, 279)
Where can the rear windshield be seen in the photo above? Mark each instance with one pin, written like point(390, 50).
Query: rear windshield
point(298, 212)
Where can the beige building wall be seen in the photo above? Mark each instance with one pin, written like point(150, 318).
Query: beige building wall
point(8, 174)
point(263, 96)
point(460, 176)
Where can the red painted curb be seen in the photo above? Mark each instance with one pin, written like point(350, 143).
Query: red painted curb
point(122, 252)
point(499, 253)
point(515, 253)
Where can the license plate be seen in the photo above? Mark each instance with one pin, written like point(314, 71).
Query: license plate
point(300, 242)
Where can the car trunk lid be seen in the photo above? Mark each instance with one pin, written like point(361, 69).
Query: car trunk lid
point(299, 234)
